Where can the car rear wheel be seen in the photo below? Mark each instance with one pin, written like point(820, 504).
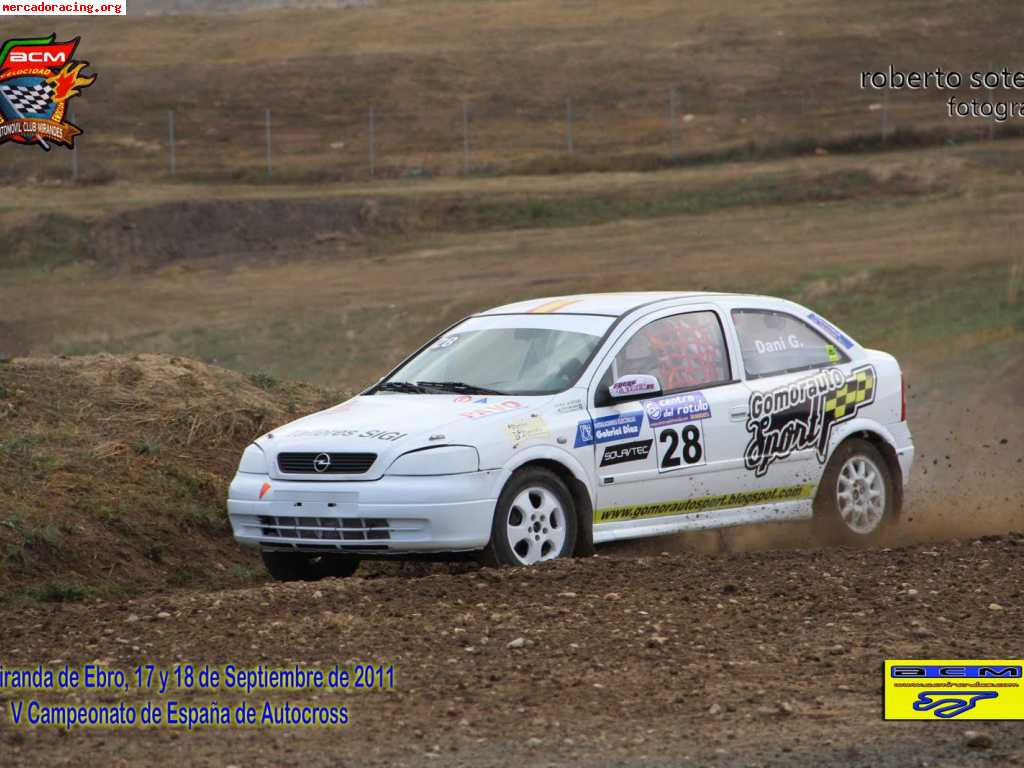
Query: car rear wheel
point(534, 521)
point(304, 566)
point(856, 498)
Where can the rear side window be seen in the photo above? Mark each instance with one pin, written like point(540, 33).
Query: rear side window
point(775, 342)
point(683, 351)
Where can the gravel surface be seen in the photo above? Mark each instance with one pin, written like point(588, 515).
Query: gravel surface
point(763, 658)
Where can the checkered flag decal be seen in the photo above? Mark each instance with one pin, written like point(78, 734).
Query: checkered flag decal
point(858, 390)
point(29, 98)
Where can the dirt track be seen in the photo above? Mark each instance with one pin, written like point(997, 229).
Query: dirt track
point(760, 658)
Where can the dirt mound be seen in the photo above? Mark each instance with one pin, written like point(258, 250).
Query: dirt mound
point(113, 470)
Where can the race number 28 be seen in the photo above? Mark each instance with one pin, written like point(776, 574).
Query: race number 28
point(680, 447)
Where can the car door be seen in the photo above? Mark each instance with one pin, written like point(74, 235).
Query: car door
point(671, 454)
point(800, 384)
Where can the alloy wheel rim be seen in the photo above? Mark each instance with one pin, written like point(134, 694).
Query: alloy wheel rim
point(860, 495)
point(536, 526)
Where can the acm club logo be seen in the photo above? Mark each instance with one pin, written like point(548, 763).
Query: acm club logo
point(38, 77)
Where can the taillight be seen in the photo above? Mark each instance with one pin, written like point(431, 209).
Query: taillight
point(903, 398)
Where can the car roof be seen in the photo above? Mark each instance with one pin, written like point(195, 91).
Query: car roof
point(610, 304)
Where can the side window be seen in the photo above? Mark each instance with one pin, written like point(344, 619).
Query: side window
point(683, 351)
point(775, 342)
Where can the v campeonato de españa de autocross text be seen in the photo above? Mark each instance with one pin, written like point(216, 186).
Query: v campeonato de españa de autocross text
point(168, 711)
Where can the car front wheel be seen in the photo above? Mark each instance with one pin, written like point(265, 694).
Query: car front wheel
point(302, 566)
point(856, 498)
point(534, 521)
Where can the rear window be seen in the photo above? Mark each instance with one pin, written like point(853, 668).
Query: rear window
point(773, 343)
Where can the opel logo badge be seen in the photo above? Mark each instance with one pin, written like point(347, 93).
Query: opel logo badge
point(322, 462)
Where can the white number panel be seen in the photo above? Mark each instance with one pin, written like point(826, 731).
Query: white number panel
point(680, 446)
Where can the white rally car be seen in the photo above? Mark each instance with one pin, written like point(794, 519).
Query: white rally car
point(538, 429)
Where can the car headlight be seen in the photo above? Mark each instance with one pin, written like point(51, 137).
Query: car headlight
point(442, 460)
point(254, 461)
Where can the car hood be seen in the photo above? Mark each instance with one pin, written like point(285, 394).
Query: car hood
point(389, 425)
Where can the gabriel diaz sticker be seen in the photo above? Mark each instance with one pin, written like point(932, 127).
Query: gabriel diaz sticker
point(609, 429)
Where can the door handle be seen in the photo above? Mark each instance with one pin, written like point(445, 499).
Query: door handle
point(739, 412)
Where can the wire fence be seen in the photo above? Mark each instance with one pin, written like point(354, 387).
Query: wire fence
point(489, 135)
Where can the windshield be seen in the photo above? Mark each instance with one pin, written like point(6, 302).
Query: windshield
point(512, 355)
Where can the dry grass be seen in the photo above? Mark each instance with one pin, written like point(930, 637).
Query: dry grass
point(338, 307)
point(113, 471)
point(788, 73)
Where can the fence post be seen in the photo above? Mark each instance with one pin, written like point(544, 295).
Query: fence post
point(673, 123)
point(373, 143)
point(270, 160)
point(170, 133)
point(465, 137)
point(568, 124)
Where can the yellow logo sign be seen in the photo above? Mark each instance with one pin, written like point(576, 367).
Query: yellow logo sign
point(943, 689)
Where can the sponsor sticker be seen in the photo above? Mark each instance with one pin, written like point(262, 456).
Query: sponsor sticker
point(492, 408)
point(801, 415)
point(626, 452)
point(639, 385)
point(703, 504)
point(376, 434)
point(609, 429)
point(584, 434)
point(960, 689)
point(444, 343)
point(831, 330)
point(674, 409)
point(569, 406)
point(533, 428)
point(620, 426)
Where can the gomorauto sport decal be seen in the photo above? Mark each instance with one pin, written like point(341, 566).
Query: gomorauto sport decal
point(704, 504)
point(801, 415)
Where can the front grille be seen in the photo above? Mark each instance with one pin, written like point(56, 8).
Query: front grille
point(325, 528)
point(340, 463)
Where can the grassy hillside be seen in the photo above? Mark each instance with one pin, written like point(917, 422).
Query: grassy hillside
point(333, 284)
point(113, 472)
point(786, 76)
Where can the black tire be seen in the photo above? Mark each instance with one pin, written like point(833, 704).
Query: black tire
point(854, 519)
point(304, 566)
point(553, 523)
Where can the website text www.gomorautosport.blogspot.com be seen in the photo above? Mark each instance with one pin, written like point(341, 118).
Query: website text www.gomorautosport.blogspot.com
point(70, 9)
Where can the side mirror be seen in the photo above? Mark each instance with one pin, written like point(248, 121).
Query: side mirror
point(635, 387)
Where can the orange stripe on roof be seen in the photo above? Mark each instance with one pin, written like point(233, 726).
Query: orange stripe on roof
point(552, 306)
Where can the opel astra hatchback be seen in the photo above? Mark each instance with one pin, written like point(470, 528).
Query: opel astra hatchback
point(538, 429)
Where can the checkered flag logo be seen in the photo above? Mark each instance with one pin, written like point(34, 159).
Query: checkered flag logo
point(859, 390)
point(33, 99)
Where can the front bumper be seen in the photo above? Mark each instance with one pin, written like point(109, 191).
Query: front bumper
point(391, 515)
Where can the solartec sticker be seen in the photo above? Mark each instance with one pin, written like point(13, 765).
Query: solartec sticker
point(608, 429)
point(620, 454)
point(688, 406)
